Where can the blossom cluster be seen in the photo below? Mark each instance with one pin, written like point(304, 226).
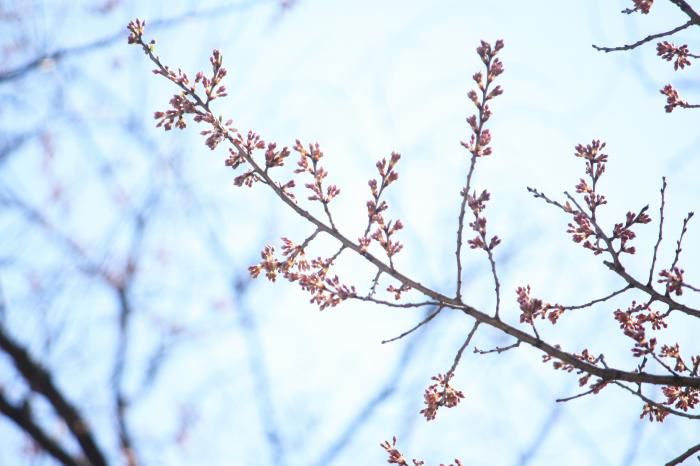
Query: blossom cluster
point(438, 394)
point(480, 139)
point(532, 308)
point(376, 206)
point(584, 223)
point(643, 6)
point(668, 52)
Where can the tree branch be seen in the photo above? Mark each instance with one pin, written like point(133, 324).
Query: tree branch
point(687, 9)
point(40, 380)
point(205, 114)
point(23, 419)
point(684, 456)
point(646, 39)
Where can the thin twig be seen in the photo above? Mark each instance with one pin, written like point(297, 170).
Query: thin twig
point(375, 282)
point(384, 302)
point(588, 392)
point(599, 300)
point(539, 195)
point(680, 239)
point(394, 304)
point(679, 459)
point(663, 364)
point(645, 40)
point(497, 283)
point(497, 349)
point(458, 356)
point(416, 327)
point(661, 229)
point(691, 287)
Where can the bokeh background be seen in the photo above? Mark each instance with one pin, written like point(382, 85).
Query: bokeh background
point(124, 250)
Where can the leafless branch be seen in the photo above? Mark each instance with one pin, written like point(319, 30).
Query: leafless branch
point(599, 300)
point(498, 349)
point(661, 230)
point(464, 346)
point(679, 459)
point(416, 327)
point(687, 9)
point(41, 381)
point(23, 418)
point(648, 38)
point(680, 239)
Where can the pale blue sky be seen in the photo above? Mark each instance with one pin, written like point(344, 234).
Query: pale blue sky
point(363, 78)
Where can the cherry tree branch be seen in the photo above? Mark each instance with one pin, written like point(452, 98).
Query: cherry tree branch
point(679, 459)
point(687, 9)
point(643, 41)
point(203, 113)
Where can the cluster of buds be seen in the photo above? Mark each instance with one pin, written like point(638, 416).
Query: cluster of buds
point(309, 163)
point(654, 412)
point(440, 394)
point(477, 204)
point(624, 233)
point(668, 52)
point(673, 100)
point(237, 156)
point(478, 144)
point(136, 29)
point(633, 322)
point(376, 206)
point(189, 102)
point(312, 276)
point(395, 456)
point(175, 115)
point(586, 356)
point(674, 353)
point(581, 229)
point(584, 223)
point(635, 318)
point(643, 6)
point(532, 308)
point(595, 167)
point(680, 55)
point(683, 398)
point(673, 279)
point(212, 86)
